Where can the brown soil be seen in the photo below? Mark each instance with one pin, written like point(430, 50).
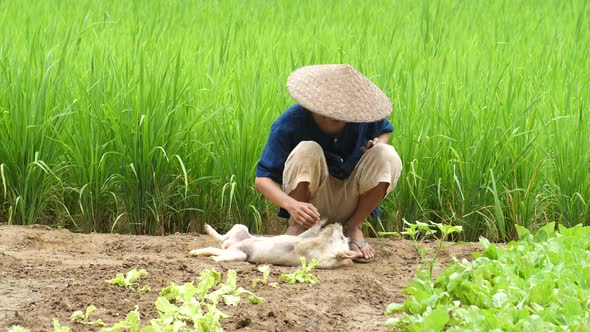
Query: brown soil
point(47, 273)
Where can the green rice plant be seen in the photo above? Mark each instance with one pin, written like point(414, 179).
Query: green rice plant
point(571, 163)
point(150, 118)
point(91, 180)
point(31, 169)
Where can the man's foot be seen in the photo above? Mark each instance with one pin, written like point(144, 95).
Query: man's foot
point(359, 244)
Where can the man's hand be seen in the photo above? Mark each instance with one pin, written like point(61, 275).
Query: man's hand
point(304, 214)
point(370, 144)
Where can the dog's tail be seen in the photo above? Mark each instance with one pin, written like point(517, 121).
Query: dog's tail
point(207, 251)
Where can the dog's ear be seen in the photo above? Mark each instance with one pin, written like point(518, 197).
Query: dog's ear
point(348, 254)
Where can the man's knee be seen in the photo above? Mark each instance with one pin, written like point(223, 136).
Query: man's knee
point(385, 153)
point(308, 149)
point(382, 164)
point(306, 154)
point(306, 163)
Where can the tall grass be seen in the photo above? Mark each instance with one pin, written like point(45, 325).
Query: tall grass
point(150, 116)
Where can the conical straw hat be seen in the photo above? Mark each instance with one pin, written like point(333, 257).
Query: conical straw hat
point(339, 92)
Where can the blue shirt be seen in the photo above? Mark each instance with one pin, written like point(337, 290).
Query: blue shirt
point(342, 151)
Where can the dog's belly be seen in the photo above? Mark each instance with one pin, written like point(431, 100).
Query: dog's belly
point(276, 251)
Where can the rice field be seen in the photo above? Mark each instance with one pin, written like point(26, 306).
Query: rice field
point(149, 116)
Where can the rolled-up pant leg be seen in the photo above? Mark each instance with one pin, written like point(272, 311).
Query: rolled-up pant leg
point(306, 163)
point(380, 164)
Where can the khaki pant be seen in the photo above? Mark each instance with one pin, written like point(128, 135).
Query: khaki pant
point(337, 199)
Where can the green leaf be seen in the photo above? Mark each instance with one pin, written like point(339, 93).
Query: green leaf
point(446, 230)
point(265, 269)
point(522, 232)
point(58, 328)
point(435, 321)
point(76, 315)
point(129, 279)
point(546, 232)
point(255, 299)
point(165, 307)
point(231, 299)
point(130, 324)
point(144, 289)
point(231, 279)
point(84, 317)
point(302, 275)
point(228, 287)
point(392, 323)
point(500, 299)
point(207, 279)
point(252, 298)
point(191, 309)
point(176, 292)
point(393, 308)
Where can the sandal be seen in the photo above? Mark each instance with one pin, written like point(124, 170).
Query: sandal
point(361, 245)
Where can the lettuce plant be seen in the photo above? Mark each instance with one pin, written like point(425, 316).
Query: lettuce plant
point(302, 274)
point(539, 283)
point(128, 281)
point(83, 317)
point(265, 269)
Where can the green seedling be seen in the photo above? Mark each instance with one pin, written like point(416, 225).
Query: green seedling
point(302, 275)
point(130, 324)
point(17, 328)
point(265, 269)
point(207, 279)
point(84, 317)
point(231, 293)
point(178, 293)
point(58, 328)
point(128, 281)
point(419, 232)
point(180, 307)
point(188, 307)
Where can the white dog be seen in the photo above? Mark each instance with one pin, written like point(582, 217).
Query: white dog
point(328, 245)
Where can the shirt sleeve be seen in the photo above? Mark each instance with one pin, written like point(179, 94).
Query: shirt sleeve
point(379, 127)
point(275, 153)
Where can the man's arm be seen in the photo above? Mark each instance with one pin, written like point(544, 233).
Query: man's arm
point(382, 139)
point(301, 212)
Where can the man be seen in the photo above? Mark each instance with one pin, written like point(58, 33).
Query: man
point(330, 152)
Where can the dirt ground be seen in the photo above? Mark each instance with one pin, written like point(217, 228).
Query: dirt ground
point(47, 273)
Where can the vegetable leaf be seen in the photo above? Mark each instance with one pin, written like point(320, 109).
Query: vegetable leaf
point(538, 283)
point(302, 275)
point(128, 280)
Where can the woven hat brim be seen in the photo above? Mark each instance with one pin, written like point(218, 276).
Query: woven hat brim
point(339, 92)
